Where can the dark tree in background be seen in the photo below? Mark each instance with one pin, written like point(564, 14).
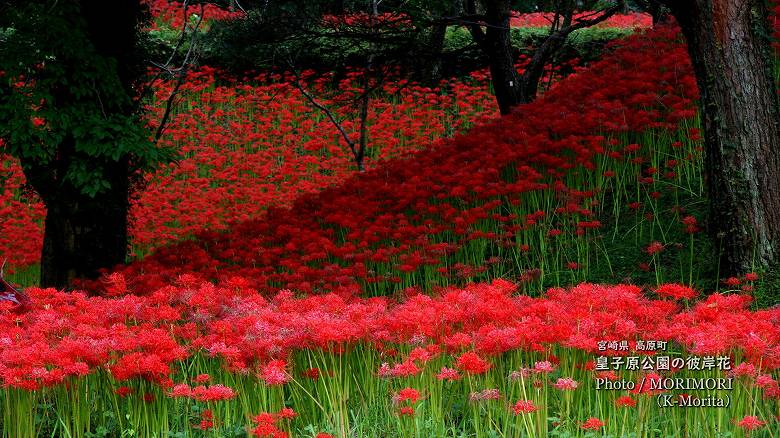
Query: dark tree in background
point(69, 111)
point(492, 32)
point(728, 41)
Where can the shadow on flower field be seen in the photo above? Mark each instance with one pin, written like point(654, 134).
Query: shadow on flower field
point(448, 291)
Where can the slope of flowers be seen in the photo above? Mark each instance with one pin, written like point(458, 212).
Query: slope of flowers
point(506, 191)
point(248, 145)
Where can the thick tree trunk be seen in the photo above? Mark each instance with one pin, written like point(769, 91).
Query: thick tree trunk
point(535, 69)
point(498, 45)
point(729, 47)
point(431, 56)
point(432, 53)
point(84, 234)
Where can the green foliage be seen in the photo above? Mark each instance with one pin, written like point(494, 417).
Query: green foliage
point(63, 106)
point(250, 44)
point(585, 43)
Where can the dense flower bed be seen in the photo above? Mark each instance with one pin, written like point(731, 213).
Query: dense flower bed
point(491, 351)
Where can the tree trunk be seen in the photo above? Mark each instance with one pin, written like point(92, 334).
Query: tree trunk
point(535, 69)
point(729, 47)
point(431, 70)
point(498, 46)
point(431, 56)
point(84, 234)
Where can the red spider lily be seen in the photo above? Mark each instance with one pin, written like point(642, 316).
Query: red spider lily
point(407, 394)
point(592, 423)
point(750, 422)
point(524, 407)
point(654, 248)
point(566, 384)
point(471, 363)
point(407, 411)
point(274, 373)
point(448, 374)
point(544, 19)
point(676, 291)
point(625, 401)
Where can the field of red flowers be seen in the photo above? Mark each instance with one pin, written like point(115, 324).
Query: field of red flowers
point(249, 145)
point(433, 295)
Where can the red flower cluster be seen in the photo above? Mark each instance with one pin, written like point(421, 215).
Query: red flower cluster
point(171, 13)
point(70, 335)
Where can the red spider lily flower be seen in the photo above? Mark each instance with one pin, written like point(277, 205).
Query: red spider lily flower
point(202, 378)
point(124, 391)
point(691, 224)
point(566, 384)
point(592, 423)
point(286, 414)
point(625, 401)
point(407, 394)
point(744, 369)
point(471, 363)
point(212, 393)
point(274, 373)
point(765, 381)
point(750, 422)
point(676, 291)
point(732, 282)
point(654, 248)
point(312, 373)
point(485, 394)
point(407, 411)
point(448, 374)
point(544, 367)
point(751, 276)
point(524, 407)
point(206, 420)
point(181, 390)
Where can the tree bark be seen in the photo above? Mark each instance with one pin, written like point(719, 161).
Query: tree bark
point(84, 234)
point(497, 44)
point(432, 53)
point(729, 47)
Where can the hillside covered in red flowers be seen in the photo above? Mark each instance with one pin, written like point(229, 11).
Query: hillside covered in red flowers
point(445, 291)
point(505, 189)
